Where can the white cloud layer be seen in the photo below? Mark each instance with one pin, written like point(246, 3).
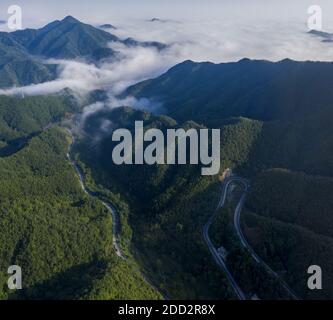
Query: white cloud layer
point(271, 37)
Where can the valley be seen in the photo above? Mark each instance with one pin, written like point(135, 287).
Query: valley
point(84, 227)
point(109, 206)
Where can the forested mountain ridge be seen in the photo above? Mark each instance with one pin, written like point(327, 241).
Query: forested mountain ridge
point(274, 118)
point(256, 89)
point(65, 39)
point(276, 129)
point(18, 67)
point(22, 118)
point(168, 204)
point(22, 53)
point(296, 112)
point(59, 236)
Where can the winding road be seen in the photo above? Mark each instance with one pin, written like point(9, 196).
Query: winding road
point(244, 242)
point(218, 258)
point(108, 205)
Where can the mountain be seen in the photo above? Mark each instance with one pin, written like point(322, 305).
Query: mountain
point(70, 39)
point(46, 218)
point(22, 52)
point(18, 67)
point(107, 26)
point(325, 36)
point(276, 122)
point(66, 39)
point(157, 20)
point(260, 90)
point(154, 44)
point(162, 207)
point(296, 112)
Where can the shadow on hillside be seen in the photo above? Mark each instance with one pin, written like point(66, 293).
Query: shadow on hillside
point(71, 284)
point(16, 145)
point(302, 145)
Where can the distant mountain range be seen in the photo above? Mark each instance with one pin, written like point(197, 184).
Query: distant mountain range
point(292, 98)
point(66, 39)
point(157, 20)
point(255, 89)
point(325, 36)
point(18, 67)
point(107, 26)
point(276, 121)
point(21, 51)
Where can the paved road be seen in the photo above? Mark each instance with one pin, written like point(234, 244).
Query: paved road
point(108, 205)
point(243, 240)
point(218, 259)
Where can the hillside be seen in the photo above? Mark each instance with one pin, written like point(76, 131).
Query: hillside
point(168, 205)
point(272, 115)
point(61, 238)
point(292, 225)
point(262, 90)
point(65, 39)
point(21, 119)
point(22, 53)
point(276, 129)
point(18, 67)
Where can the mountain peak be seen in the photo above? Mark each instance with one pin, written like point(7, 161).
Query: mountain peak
point(70, 19)
point(244, 60)
point(107, 26)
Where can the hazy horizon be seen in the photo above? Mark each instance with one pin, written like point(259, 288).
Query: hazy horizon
point(38, 12)
point(216, 31)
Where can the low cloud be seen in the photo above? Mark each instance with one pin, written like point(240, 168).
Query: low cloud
point(211, 40)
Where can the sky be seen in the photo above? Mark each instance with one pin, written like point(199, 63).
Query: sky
point(209, 30)
point(37, 12)
point(220, 30)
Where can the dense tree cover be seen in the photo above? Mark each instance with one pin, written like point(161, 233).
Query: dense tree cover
point(254, 279)
point(48, 225)
point(21, 117)
point(222, 231)
point(17, 67)
point(294, 198)
point(168, 205)
point(299, 204)
point(21, 51)
point(290, 250)
point(256, 89)
point(61, 237)
point(163, 208)
point(65, 39)
point(304, 144)
point(290, 127)
point(295, 133)
point(121, 281)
